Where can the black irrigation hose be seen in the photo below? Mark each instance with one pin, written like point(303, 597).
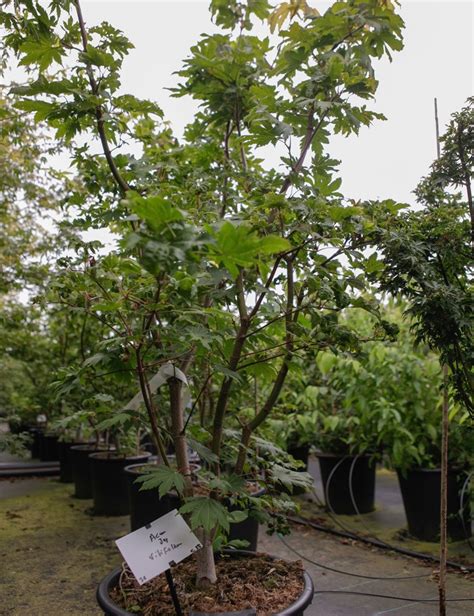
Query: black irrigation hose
point(369, 594)
point(347, 533)
point(379, 544)
point(357, 575)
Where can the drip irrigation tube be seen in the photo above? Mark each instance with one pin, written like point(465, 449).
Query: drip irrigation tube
point(378, 544)
point(350, 573)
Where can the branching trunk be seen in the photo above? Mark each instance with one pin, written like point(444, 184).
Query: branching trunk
point(266, 409)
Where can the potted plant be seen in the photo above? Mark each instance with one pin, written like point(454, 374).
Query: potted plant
point(221, 275)
point(344, 408)
point(414, 450)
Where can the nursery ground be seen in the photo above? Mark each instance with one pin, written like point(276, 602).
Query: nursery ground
point(53, 554)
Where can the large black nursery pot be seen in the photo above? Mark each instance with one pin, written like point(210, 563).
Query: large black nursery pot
point(421, 497)
point(247, 530)
point(112, 609)
point(36, 436)
point(65, 460)
point(81, 468)
point(348, 480)
point(109, 482)
point(299, 452)
point(147, 505)
point(48, 447)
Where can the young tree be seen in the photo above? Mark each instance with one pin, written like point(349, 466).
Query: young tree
point(428, 259)
point(428, 256)
point(226, 270)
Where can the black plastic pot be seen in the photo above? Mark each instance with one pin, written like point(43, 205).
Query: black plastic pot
point(109, 482)
point(48, 447)
point(299, 452)
point(81, 468)
point(248, 529)
point(146, 505)
point(111, 581)
point(338, 481)
point(36, 436)
point(65, 460)
point(421, 497)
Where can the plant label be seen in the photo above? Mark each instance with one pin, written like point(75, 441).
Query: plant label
point(152, 549)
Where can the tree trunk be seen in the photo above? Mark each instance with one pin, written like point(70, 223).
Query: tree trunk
point(205, 563)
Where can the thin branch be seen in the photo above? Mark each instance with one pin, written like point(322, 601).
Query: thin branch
point(148, 400)
point(99, 113)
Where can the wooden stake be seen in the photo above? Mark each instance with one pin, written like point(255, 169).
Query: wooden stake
point(443, 525)
point(443, 521)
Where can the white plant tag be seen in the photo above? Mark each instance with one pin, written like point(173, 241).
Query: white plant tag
point(152, 549)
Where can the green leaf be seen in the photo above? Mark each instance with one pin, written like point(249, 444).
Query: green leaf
point(118, 419)
point(98, 57)
point(326, 361)
point(239, 246)
point(42, 52)
point(237, 516)
point(271, 244)
point(204, 452)
point(206, 513)
point(162, 477)
point(156, 211)
point(291, 479)
point(42, 108)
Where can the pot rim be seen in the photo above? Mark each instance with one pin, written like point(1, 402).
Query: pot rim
point(322, 454)
point(89, 447)
point(143, 456)
point(132, 469)
point(421, 469)
point(298, 606)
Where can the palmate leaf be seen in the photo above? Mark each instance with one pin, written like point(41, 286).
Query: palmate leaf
point(118, 419)
point(291, 479)
point(156, 211)
point(239, 245)
point(206, 513)
point(162, 477)
point(43, 52)
point(204, 452)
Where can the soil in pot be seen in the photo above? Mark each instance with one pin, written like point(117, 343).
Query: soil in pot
point(109, 483)
point(421, 497)
point(245, 581)
point(48, 447)
point(343, 474)
point(65, 460)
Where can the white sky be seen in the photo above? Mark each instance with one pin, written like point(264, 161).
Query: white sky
point(386, 160)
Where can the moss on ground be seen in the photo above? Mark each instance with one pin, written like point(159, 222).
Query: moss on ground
point(54, 553)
